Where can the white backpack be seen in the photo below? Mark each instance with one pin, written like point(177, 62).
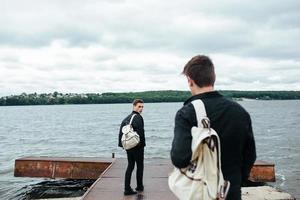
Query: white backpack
point(203, 178)
point(130, 138)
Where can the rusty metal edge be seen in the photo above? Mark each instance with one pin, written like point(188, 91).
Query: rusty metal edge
point(88, 191)
point(263, 163)
point(262, 180)
point(105, 160)
point(55, 162)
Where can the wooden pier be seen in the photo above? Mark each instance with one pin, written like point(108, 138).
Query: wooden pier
point(110, 175)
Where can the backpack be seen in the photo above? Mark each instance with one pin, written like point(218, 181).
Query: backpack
point(203, 178)
point(130, 138)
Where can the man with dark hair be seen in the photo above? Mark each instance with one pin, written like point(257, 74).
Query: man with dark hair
point(229, 119)
point(136, 154)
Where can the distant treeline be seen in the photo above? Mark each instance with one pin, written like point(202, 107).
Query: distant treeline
point(149, 96)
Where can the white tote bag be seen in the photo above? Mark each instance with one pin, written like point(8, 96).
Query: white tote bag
point(203, 178)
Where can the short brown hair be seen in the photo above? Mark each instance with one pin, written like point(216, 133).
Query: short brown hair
point(201, 69)
point(136, 101)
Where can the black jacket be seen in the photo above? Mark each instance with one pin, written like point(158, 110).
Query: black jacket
point(233, 125)
point(138, 126)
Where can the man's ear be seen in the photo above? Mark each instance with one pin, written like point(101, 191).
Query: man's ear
point(190, 82)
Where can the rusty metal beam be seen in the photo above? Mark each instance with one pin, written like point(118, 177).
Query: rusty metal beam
point(92, 168)
point(262, 172)
point(51, 167)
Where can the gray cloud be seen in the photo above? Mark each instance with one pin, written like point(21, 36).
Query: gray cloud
point(231, 27)
point(96, 45)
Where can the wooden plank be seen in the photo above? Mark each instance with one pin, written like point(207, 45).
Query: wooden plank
point(52, 167)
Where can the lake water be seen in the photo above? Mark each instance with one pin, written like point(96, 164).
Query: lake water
point(92, 131)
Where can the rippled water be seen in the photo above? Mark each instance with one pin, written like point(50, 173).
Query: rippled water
point(92, 131)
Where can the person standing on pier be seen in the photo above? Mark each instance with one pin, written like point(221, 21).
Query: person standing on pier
point(136, 154)
point(228, 118)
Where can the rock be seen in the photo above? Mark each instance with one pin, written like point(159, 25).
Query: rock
point(264, 193)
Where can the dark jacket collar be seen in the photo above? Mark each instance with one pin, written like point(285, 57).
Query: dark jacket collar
point(135, 112)
point(211, 94)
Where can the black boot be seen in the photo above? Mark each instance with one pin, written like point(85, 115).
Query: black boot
point(129, 192)
point(139, 188)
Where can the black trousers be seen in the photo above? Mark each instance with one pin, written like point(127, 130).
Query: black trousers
point(135, 155)
point(234, 193)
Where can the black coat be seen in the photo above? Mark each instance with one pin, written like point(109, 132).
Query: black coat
point(233, 125)
point(137, 125)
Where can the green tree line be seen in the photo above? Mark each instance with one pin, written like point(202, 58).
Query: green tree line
point(128, 97)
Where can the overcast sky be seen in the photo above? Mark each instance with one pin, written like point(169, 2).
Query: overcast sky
point(138, 45)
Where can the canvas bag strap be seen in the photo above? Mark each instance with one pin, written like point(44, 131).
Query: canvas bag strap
point(131, 119)
point(200, 114)
point(200, 111)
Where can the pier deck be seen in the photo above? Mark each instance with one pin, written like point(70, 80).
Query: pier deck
point(111, 184)
point(110, 175)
